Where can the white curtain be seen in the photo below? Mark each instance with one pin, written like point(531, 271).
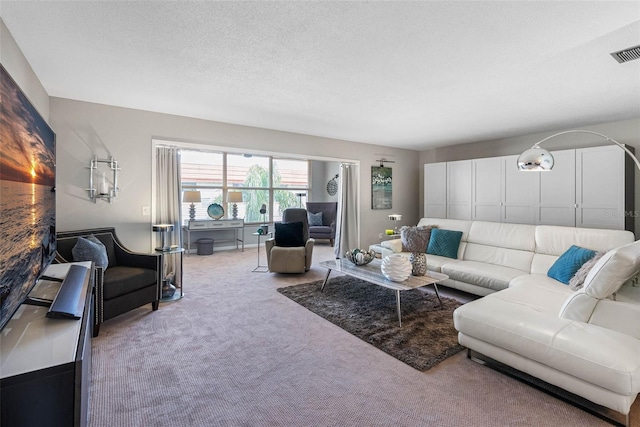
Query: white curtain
point(347, 225)
point(168, 191)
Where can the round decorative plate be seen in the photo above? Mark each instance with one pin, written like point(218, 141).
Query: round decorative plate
point(332, 187)
point(215, 211)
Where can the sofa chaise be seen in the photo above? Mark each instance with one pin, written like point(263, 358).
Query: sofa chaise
point(586, 341)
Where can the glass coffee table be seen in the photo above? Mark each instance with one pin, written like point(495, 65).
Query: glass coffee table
point(371, 273)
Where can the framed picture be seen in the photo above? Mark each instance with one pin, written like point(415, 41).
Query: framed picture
point(381, 193)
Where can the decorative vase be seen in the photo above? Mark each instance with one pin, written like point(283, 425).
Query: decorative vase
point(418, 262)
point(396, 267)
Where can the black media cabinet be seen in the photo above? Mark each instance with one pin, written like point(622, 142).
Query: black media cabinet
point(45, 363)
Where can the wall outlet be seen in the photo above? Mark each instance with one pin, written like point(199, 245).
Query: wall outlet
point(146, 210)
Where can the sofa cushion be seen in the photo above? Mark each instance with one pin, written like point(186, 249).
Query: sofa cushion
point(89, 248)
point(289, 234)
point(320, 229)
point(503, 235)
point(542, 281)
point(444, 242)
point(490, 276)
point(415, 239)
point(554, 240)
point(569, 263)
point(314, 219)
point(612, 270)
point(123, 280)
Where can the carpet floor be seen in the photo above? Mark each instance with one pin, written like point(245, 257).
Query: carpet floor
point(426, 338)
point(235, 352)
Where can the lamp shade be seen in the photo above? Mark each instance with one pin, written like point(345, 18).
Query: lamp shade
point(191, 197)
point(263, 209)
point(235, 197)
point(162, 227)
point(535, 159)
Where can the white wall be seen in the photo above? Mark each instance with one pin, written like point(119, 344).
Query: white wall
point(322, 172)
point(625, 131)
point(85, 129)
point(15, 63)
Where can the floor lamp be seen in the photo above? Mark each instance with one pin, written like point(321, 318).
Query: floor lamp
point(537, 158)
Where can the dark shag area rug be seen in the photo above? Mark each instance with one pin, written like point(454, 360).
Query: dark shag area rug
point(368, 311)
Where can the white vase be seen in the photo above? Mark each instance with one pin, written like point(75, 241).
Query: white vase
point(396, 267)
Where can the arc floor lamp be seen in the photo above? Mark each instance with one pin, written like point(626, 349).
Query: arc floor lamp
point(538, 159)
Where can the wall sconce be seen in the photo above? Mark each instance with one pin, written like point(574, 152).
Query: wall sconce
point(191, 197)
point(235, 197)
point(164, 230)
point(99, 185)
point(395, 218)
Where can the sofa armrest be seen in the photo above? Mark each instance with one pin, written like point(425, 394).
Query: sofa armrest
point(308, 249)
point(395, 245)
point(134, 259)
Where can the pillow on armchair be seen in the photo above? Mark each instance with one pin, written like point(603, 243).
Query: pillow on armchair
point(289, 234)
point(315, 219)
point(89, 248)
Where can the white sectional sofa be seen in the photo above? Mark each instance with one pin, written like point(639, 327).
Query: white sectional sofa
point(492, 254)
point(585, 341)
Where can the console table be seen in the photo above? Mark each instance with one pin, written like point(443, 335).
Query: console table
point(213, 225)
point(45, 364)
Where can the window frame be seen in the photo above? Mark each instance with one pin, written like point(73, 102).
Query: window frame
point(225, 188)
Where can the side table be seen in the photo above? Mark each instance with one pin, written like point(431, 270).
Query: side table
point(261, 268)
point(385, 236)
point(165, 292)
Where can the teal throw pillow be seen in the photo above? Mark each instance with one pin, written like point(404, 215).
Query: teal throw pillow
point(569, 263)
point(444, 243)
point(90, 249)
point(314, 218)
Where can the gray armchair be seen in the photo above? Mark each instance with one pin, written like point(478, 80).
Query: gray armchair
point(130, 280)
point(329, 213)
point(291, 249)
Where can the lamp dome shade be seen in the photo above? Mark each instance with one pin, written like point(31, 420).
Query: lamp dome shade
point(191, 197)
point(535, 159)
point(235, 197)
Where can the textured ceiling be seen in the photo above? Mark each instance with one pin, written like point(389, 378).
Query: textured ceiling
point(405, 74)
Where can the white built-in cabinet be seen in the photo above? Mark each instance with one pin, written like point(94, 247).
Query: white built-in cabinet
point(586, 188)
point(459, 186)
point(435, 200)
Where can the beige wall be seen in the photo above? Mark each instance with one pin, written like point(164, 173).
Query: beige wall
point(15, 63)
point(86, 129)
point(626, 132)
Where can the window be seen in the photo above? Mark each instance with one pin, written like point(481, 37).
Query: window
point(276, 182)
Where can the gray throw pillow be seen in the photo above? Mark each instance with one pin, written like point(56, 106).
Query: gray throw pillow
point(415, 239)
point(90, 249)
point(314, 218)
point(576, 282)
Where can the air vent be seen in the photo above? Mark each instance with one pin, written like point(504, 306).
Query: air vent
point(627, 55)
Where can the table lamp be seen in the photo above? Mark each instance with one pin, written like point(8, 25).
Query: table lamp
point(192, 197)
point(234, 198)
point(395, 218)
point(264, 227)
point(163, 229)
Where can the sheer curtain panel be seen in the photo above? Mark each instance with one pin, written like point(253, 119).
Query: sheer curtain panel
point(168, 191)
point(347, 223)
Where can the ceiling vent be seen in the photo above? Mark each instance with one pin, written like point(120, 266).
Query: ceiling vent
point(627, 55)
